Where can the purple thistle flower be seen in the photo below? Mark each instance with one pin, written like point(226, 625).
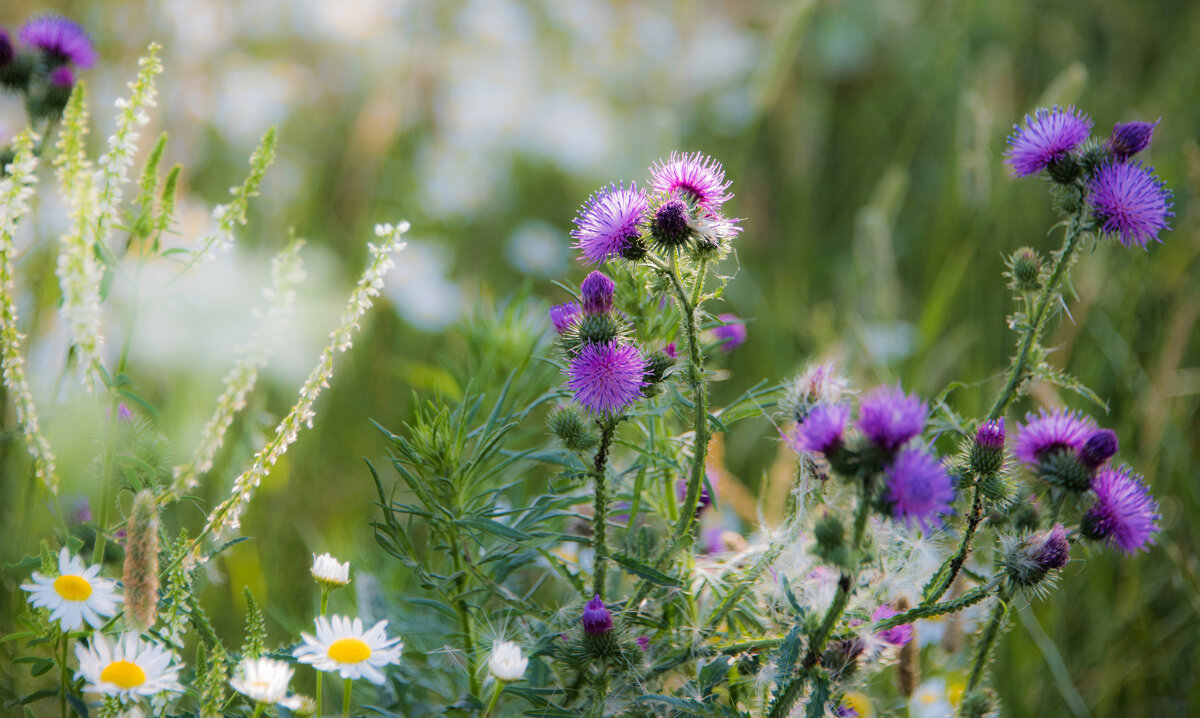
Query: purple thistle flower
point(990, 435)
point(701, 178)
point(123, 412)
point(597, 619)
point(1050, 549)
point(712, 540)
point(607, 378)
point(1048, 137)
point(889, 417)
point(1058, 429)
point(671, 351)
point(643, 642)
point(597, 292)
point(62, 77)
point(561, 316)
point(1101, 446)
point(706, 496)
point(1130, 201)
point(918, 488)
point(7, 51)
point(732, 333)
point(1125, 514)
point(845, 711)
point(1129, 138)
point(62, 39)
point(607, 221)
point(896, 635)
point(671, 225)
point(823, 430)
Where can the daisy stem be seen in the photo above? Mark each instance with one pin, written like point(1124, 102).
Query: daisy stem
point(346, 698)
point(62, 667)
point(600, 509)
point(324, 607)
point(258, 708)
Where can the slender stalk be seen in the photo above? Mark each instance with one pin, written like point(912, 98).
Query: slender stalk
point(600, 508)
point(464, 614)
point(988, 639)
point(792, 690)
point(324, 608)
point(259, 707)
point(346, 698)
point(62, 669)
point(491, 706)
point(601, 691)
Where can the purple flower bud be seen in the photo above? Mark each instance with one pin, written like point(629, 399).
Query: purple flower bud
point(1130, 138)
point(896, 635)
point(597, 620)
point(597, 293)
point(823, 430)
point(561, 316)
point(670, 224)
point(123, 412)
point(671, 351)
point(1101, 446)
point(643, 642)
point(62, 77)
point(7, 51)
point(1051, 550)
point(732, 333)
point(991, 435)
point(987, 454)
point(1029, 560)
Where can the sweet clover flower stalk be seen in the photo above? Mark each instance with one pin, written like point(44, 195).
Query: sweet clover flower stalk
point(16, 187)
point(286, 274)
point(225, 518)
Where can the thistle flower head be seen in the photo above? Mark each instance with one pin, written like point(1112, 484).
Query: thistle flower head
point(670, 224)
point(1130, 202)
point(597, 293)
point(818, 384)
point(62, 78)
point(1101, 446)
point(896, 635)
point(823, 431)
point(7, 51)
point(987, 453)
point(608, 222)
point(329, 572)
point(731, 333)
point(561, 316)
point(918, 488)
point(1125, 514)
point(1048, 137)
point(597, 619)
point(889, 417)
point(1047, 431)
point(506, 661)
point(62, 40)
point(1129, 138)
point(695, 176)
point(607, 378)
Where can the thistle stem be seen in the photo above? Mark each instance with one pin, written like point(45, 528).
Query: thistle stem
point(988, 639)
point(600, 508)
point(346, 698)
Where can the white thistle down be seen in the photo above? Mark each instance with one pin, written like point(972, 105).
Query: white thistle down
point(122, 145)
point(15, 191)
point(286, 273)
point(79, 272)
point(225, 519)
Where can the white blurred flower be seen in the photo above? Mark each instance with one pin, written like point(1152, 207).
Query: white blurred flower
point(934, 699)
point(328, 571)
point(262, 680)
point(506, 662)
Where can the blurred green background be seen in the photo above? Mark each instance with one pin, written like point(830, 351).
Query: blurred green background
point(864, 143)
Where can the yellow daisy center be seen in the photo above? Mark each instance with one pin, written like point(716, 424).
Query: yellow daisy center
point(349, 650)
point(72, 588)
point(124, 674)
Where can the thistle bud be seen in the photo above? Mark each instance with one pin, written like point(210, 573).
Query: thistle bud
point(1030, 559)
point(634, 248)
point(979, 703)
point(1068, 198)
point(597, 293)
point(562, 315)
point(597, 619)
point(1064, 171)
point(566, 421)
point(141, 562)
point(670, 225)
point(1093, 154)
point(1025, 268)
point(830, 538)
point(987, 453)
point(1130, 138)
point(997, 489)
point(656, 368)
point(1101, 446)
point(1063, 467)
point(597, 328)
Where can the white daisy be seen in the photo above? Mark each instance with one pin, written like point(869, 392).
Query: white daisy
point(327, 570)
point(341, 645)
point(262, 680)
point(76, 595)
point(129, 669)
point(506, 661)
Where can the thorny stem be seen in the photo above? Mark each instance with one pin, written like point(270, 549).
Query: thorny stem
point(600, 510)
point(999, 611)
point(601, 690)
point(791, 691)
point(1017, 376)
point(700, 395)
